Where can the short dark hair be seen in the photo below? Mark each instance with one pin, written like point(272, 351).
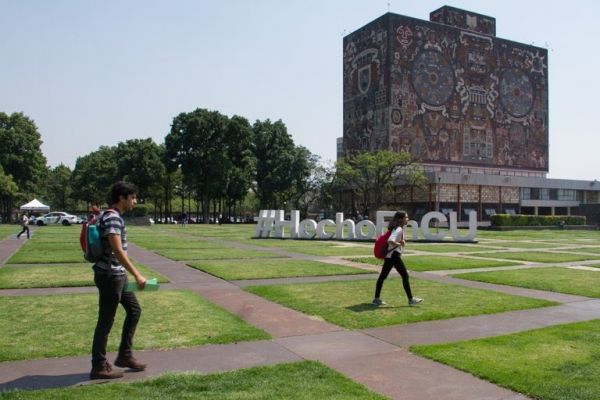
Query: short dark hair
point(119, 189)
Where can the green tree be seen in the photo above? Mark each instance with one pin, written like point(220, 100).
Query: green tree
point(239, 145)
point(8, 193)
point(21, 155)
point(94, 174)
point(59, 187)
point(196, 143)
point(140, 161)
point(275, 154)
point(371, 177)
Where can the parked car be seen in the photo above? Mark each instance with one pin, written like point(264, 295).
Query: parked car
point(57, 217)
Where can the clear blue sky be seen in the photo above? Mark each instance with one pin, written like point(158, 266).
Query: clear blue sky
point(100, 72)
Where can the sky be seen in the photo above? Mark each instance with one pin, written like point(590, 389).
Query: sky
point(92, 73)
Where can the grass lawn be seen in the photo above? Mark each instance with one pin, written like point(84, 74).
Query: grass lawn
point(553, 279)
point(565, 236)
point(306, 380)
point(447, 248)
point(557, 363)
point(9, 230)
point(264, 269)
point(348, 304)
point(350, 249)
point(58, 275)
point(55, 254)
point(592, 250)
point(438, 263)
point(214, 254)
point(538, 256)
point(62, 325)
point(154, 243)
point(520, 245)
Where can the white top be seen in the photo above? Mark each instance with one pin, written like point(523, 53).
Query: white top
point(396, 236)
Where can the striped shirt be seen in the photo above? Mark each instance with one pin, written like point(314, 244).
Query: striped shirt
point(111, 223)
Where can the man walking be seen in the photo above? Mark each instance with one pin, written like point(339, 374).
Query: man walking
point(110, 279)
point(24, 225)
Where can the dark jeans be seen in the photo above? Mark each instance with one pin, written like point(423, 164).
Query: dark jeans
point(25, 229)
point(111, 293)
point(396, 262)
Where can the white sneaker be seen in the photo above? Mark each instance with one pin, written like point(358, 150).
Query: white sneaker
point(414, 301)
point(378, 302)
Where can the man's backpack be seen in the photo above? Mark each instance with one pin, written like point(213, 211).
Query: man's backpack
point(381, 245)
point(89, 238)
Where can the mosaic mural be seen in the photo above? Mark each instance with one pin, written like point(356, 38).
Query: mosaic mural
point(447, 95)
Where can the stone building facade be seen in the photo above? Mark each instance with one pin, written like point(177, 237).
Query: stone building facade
point(471, 107)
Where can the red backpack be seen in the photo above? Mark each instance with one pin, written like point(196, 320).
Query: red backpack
point(381, 245)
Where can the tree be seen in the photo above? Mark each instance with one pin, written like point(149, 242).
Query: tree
point(94, 174)
point(197, 144)
point(372, 176)
point(140, 161)
point(21, 155)
point(59, 187)
point(239, 144)
point(8, 192)
point(275, 155)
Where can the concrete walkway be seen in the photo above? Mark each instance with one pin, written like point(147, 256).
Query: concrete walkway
point(377, 358)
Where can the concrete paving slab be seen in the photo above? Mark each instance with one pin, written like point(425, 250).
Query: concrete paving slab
point(68, 371)
point(47, 291)
point(401, 375)
point(480, 326)
point(9, 246)
point(335, 346)
point(277, 320)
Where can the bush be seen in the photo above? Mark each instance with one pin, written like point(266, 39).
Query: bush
point(537, 220)
point(140, 210)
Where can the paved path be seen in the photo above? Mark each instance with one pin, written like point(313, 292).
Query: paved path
point(377, 358)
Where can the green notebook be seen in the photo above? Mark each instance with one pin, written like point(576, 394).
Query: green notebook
point(151, 285)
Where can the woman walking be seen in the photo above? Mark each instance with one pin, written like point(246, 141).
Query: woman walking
point(393, 259)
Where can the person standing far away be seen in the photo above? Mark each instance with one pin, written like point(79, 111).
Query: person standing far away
point(110, 279)
point(393, 259)
point(24, 220)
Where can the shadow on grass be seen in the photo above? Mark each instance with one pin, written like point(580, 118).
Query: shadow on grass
point(363, 307)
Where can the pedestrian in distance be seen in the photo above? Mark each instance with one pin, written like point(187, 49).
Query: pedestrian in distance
point(393, 259)
point(111, 279)
point(24, 220)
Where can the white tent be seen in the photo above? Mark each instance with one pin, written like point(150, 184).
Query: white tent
point(35, 206)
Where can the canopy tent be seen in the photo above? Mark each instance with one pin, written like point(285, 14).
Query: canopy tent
point(34, 206)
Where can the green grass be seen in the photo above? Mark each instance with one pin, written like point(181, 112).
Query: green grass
point(522, 245)
point(557, 363)
point(447, 248)
point(58, 275)
point(592, 250)
point(538, 256)
point(62, 325)
point(348, 304)
point(154, 243)
point(438, 263)
point(53, 255)
point(553, 279)
point(9, 230)
point(306, 380)
point(350, 249)
point(263, 269)
point(214, 254)
point(548, 234)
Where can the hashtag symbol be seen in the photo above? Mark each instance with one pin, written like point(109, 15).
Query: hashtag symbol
point(264, 223)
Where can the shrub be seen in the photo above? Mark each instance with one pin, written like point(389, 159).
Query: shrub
point(140, 210)
point(537, 220)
